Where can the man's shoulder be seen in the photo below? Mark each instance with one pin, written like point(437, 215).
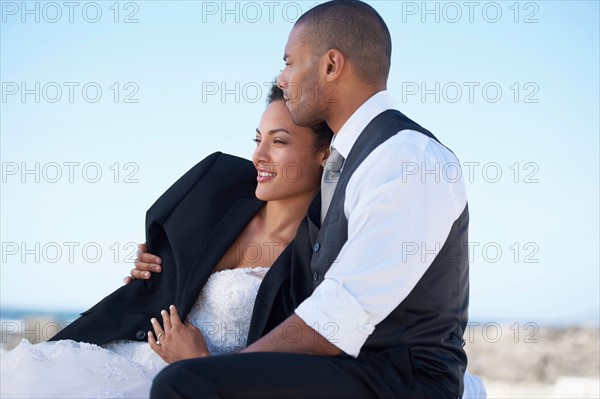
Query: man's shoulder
point(404, 157)
point(411, 146)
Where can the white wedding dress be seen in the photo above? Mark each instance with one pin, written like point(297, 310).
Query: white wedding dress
point(125, 369)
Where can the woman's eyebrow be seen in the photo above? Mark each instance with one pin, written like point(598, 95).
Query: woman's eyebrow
point(273, 131)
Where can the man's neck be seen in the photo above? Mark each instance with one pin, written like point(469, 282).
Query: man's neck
point(350, 100)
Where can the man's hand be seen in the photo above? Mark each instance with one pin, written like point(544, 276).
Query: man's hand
point(177, 341)
point(144, 264)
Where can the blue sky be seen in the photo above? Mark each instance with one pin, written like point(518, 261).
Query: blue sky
point(511, 87)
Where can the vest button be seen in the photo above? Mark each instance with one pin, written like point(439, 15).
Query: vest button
point(316, 247)
point(140, 334)
point(316, 275)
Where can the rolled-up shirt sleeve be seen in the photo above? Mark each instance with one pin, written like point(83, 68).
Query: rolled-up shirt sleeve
point(400, 207)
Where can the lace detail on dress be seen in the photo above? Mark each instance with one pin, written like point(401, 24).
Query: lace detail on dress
point(139, 352)
point(224, 308)
point(69, 369)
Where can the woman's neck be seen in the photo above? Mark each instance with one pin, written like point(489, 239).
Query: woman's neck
point(281, 218)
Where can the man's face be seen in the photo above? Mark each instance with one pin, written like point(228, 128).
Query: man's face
point(300, 81)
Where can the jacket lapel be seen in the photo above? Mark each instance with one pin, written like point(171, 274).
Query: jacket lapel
point(219, 241)
point(314, 218)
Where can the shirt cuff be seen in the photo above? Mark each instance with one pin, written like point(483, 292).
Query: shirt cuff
point(335, 314)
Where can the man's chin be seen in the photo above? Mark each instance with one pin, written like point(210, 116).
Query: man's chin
point(301, 120)
point(289, 104)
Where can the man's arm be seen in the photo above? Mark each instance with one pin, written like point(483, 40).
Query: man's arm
point(294, 336)
point(145, 263)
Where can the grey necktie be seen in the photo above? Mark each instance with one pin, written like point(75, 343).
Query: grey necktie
point(331, 175)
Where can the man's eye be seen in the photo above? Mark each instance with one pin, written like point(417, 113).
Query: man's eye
point(256, 140)
point(278, 141)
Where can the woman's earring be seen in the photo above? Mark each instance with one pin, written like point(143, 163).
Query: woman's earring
point(323, 164)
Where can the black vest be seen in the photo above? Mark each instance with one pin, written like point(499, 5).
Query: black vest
point(432, 319)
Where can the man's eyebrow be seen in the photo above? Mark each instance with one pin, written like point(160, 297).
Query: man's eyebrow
point(273, 131)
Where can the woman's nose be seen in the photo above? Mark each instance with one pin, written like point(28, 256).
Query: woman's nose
point(260, 154)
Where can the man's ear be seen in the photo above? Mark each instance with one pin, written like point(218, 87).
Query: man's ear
point(335, 61)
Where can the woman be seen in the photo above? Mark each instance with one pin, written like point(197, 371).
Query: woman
point(288, 162)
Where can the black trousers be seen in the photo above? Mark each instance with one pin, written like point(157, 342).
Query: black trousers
point(284, 375)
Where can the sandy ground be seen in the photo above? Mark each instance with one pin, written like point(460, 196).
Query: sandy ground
point(527, 361)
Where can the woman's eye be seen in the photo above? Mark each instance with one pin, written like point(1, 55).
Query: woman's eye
point(276, 141)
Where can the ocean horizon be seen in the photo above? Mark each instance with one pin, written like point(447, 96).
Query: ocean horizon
point(16, 313)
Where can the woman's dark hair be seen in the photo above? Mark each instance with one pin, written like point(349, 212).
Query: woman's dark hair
point(322, 132)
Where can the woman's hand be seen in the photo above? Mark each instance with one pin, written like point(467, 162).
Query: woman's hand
point(177, 341)
point(144, 264)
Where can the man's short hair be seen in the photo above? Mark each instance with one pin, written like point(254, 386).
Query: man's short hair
point(355, 29)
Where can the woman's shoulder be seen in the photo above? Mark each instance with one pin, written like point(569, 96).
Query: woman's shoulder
point(226, 167)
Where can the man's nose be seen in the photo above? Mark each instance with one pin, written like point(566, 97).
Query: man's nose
point(281, 82)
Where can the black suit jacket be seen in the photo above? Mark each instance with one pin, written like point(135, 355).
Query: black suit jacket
point(190, 227)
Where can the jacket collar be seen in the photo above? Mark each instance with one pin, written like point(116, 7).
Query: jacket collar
point(221, 239)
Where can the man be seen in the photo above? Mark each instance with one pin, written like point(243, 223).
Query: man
point(388, 234)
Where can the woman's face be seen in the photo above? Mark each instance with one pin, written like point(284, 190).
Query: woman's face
point(285, 157)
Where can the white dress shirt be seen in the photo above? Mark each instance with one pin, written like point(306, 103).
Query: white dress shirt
point(400, 204)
